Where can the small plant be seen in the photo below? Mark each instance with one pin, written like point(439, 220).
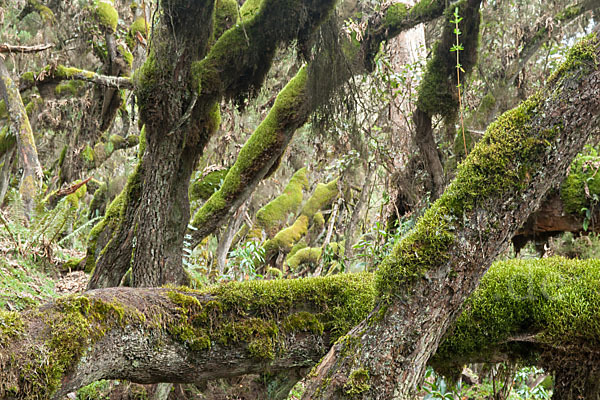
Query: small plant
point(436, 388)
point(457, 48)
point(244, 261)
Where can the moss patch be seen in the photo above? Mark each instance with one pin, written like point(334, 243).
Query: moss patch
point(556, 298)
point(107, 15)
point(272, 215)
point(256, 312)
point(580, 191)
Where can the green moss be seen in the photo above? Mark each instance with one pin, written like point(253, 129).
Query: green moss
point(73, 325)
point(358, 382)
point(28, 77)
point(226, 16)
point(204, 188)
point(11, 326)
point(284, 240)
point(554, 299)
point(107, 15)
point(44, 12)
point(504, 161)
point(250, 8)
point(138, 26)
point(127, 56)
point(307, 255)
point(581, 189)
point(254, 313)
point(260, 145)
point(583, 53)
point(298, 246)
point(7, 140)
point(323, 196)
point(88, 155)
point(276, 212)
point(71, 87)
point(395, 15)
point(68, 72)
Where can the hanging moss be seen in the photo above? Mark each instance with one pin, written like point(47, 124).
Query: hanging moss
point(272, 215)
point(107, 15)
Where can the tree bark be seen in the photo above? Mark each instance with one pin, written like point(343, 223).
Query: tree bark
point(423, 284)
point(21, 129)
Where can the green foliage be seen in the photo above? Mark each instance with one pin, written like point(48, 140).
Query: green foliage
point(581, 247)
point(581, 189)
point(244, 261)
point(94, 391)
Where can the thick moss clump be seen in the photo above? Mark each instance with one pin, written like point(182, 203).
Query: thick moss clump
point(580, 191)
point(284, 240)
point(107, 15)
point(583, 53)
point(255, 312)
point(307, 255)
point(358, 382)
point(276, 212)
point(322, 198)
point(556, 297)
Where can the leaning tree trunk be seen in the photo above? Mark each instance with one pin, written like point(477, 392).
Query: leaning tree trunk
point(425, 281)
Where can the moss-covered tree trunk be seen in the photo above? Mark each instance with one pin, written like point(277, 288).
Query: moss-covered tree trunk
point(20, 129)
point(424, 282)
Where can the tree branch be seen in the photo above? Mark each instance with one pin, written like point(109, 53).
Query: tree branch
point(8, 48)
point(53, 74)
point(427, 277)
point(172, 335)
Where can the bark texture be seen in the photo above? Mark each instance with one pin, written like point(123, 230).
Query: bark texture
point(423, 284)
